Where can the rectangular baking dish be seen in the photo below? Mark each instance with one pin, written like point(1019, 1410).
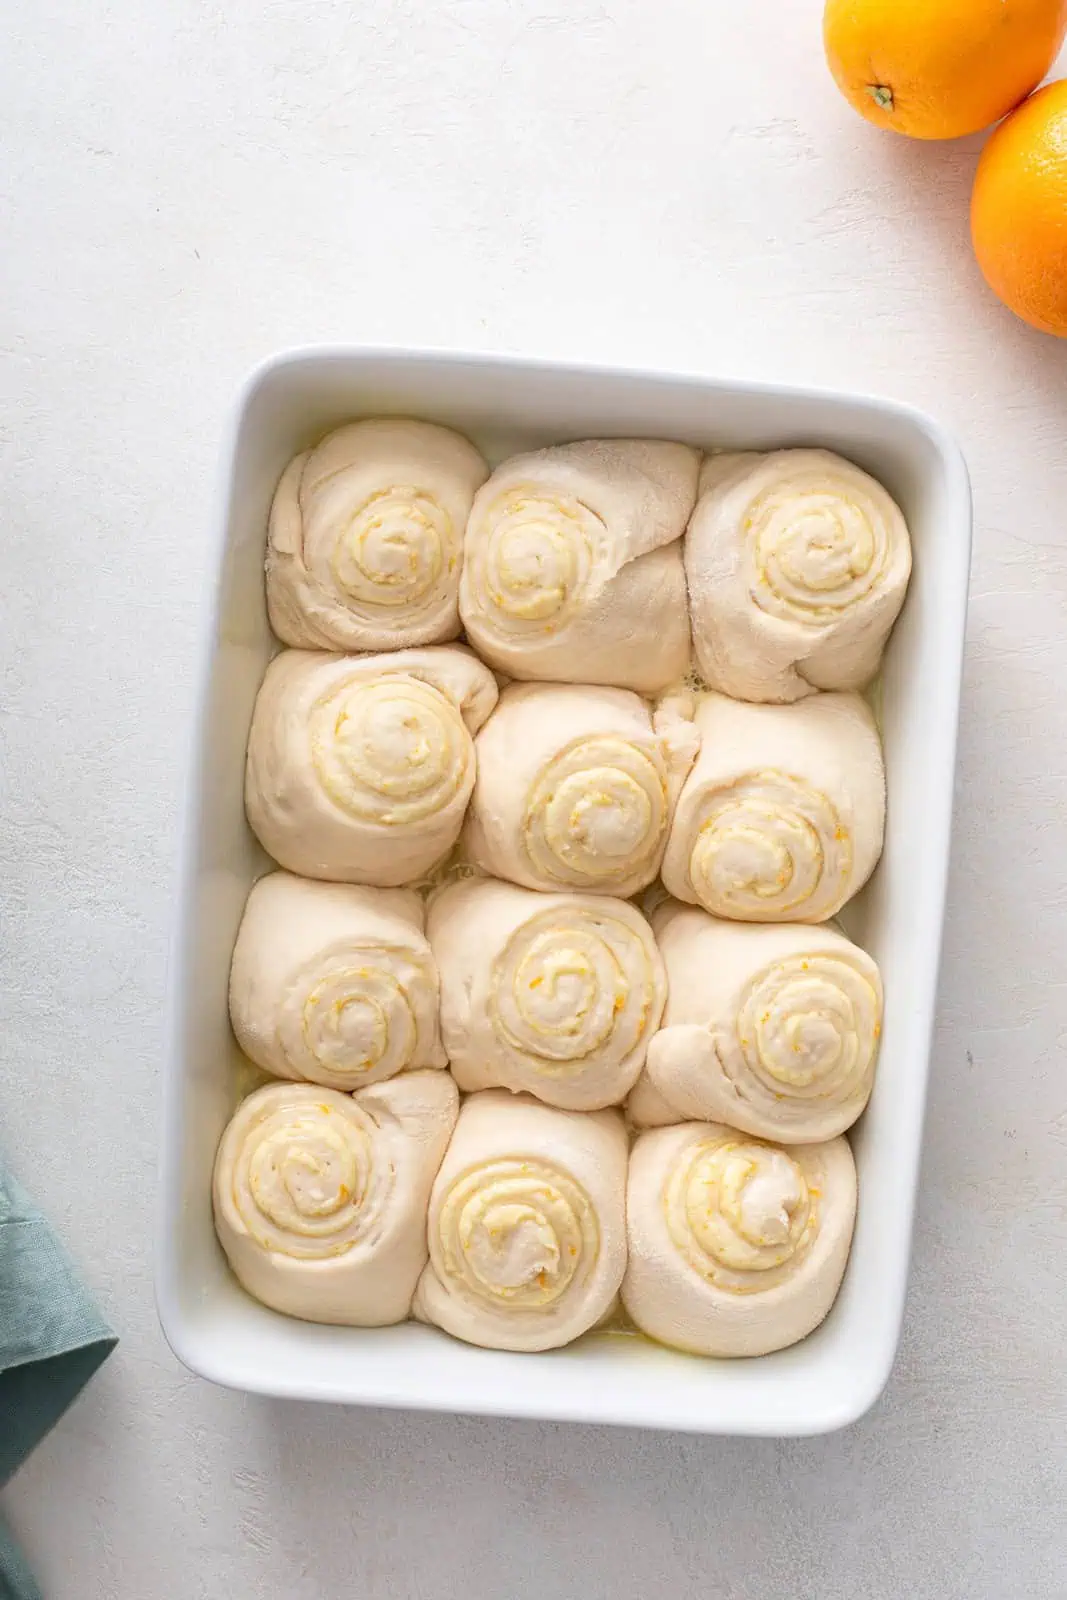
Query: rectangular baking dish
point(506, 404)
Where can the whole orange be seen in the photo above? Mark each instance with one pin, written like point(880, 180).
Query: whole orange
point(1019, 210)
point(935, 69)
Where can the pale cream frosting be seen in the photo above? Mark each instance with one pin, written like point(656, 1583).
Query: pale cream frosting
point(320, 1198)
point(573, 564)
point(783, 814)
point(576, 787)
point(360, 767)
point(366, 537)
point(770, 1029)
point(797, 564)
point(554, 994)
point(527, 1225)
point(737, 1247)
point(334, 983)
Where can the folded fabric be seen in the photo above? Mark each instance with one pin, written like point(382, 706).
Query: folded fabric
point(16, 1579)
point(52, 1340)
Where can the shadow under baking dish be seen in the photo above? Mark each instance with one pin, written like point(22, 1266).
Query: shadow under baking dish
point(506, 404)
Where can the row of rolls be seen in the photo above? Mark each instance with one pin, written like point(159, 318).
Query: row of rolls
point(580, 1000)
point(653, 1114)
point(548, 982)
point(370, 769)
point(600, 561)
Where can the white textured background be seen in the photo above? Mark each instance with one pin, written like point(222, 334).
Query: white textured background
point(188, 186)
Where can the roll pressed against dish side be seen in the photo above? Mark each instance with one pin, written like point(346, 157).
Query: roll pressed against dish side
point(797, 565)
point(366, 537)
point(783, 814)
point(360, 767)
point(320, 1197)
point(334, 983)
point(772, 1029)
point(527, 1224)
point(737, 1247)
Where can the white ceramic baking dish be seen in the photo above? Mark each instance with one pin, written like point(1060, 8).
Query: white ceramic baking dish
point(506, 404)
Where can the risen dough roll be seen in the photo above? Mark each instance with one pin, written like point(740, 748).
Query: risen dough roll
point(320, 1197)
point(360, 767)
point(334, 984)
point(781, 818)
point(737, 1247)
point(527, 1224)
point(797, 564)
point(770, 1029)
point(647, 1108)
point(576, 787)
point(557, 994)
point(573, 567)
point(366, 537)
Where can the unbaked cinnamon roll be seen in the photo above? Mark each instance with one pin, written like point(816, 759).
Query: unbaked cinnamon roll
point(576, 787)
point(782, 816)
point(360, 767)
point(771, 1029)
point(573, 564)
point(555, 994)
point(320, 1197)
point(527, 1226)
point(736, 1247)
point(797, 564)
point(334, 983)
point(366, 537)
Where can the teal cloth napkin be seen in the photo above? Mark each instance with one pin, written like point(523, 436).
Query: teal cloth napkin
point(52, 1340)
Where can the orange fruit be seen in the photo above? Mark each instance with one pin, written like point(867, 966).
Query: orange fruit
point(1019, 210)
point(936, 69)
